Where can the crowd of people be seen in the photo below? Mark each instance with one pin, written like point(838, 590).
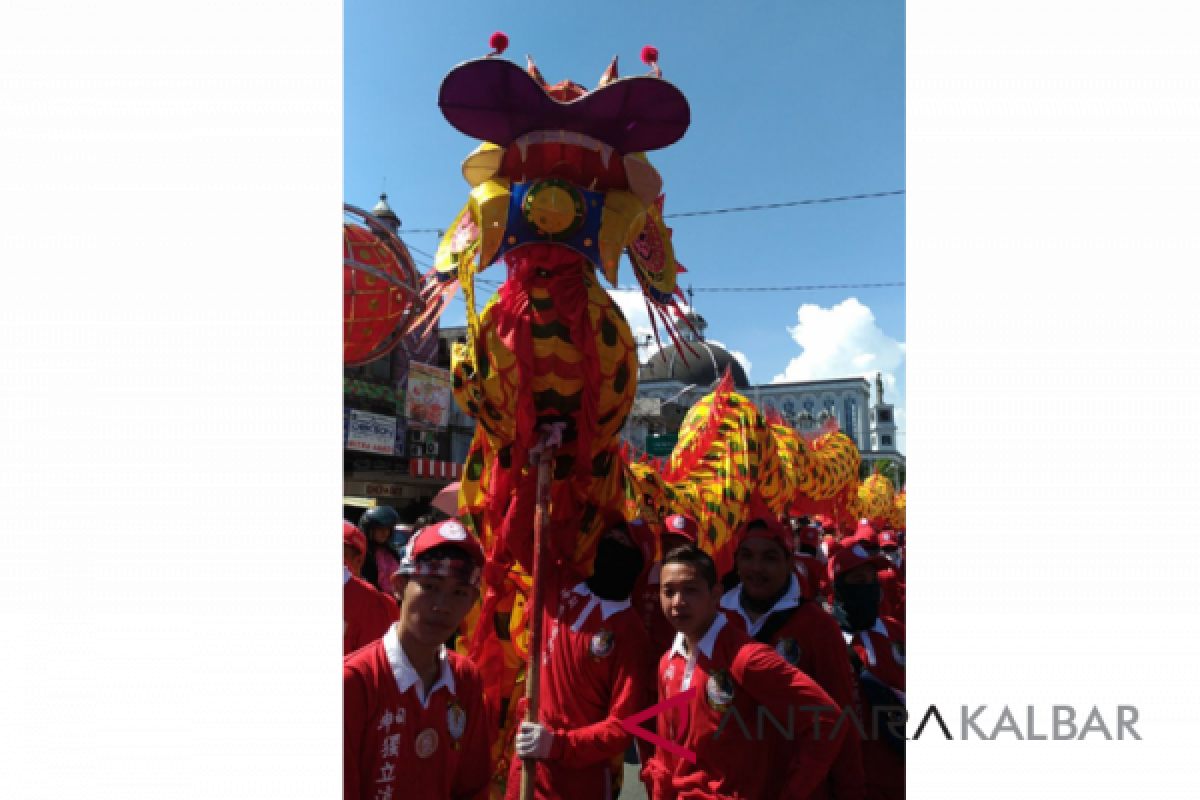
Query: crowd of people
point(796, 658)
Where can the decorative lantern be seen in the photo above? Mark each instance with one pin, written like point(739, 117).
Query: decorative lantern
point(381, 288)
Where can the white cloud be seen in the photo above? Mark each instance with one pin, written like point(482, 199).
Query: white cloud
point(844, 341)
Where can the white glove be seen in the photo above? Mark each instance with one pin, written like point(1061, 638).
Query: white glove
point(534, 741)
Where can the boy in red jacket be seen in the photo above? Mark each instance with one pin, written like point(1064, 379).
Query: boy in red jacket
point(415, 725)
point(734, 677)
point(770, 605)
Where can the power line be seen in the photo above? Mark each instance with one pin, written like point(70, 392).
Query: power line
point(790, 204)
point(737, 209)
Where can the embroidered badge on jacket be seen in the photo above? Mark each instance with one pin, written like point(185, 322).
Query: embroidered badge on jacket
point(602, 643)
point(719, 691)
point(456, 723)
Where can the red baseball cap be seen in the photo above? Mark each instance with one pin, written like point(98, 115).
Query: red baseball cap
point(773, 529)
point(866, 532)
point(854, 555)
point(353, 537)
point(681, 525)
point(450, 532)
point(809, 534)
point(643, 538)
point(888, 538)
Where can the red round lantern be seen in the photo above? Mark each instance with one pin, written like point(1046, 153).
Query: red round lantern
point(381, 288)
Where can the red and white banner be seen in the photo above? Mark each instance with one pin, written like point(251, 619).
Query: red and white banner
point(428, 468)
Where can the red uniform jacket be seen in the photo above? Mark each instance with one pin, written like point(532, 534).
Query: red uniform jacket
point(881, 651)
point(732, 673)
point(366, 614)
point(398, 747)
point(813, 574)
point(891, 603)
point(811, 641)
point(596, 671)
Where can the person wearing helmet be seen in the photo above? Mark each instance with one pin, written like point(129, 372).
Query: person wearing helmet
point(382, 560)
point(415, 723)
point(770, 606)
point(366, 613)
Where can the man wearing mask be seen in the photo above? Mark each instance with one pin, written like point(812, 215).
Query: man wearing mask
point(877, 646)
point(366, 613)
point(770, 606)
point(731, 673)
point(891, 603)
point(415, 724)
point(596, 666)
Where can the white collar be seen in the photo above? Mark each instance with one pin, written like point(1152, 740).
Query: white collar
point(732, 601)
point(705, 645)
point(345, 574)
point(607, 607)
point(406, 675)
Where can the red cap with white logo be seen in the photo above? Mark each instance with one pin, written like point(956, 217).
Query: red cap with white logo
point(681, 525)
point(451, 532)
point(854, 555)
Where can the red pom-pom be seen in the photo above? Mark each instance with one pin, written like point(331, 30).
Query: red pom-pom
point(649, 54)
point(499, 42)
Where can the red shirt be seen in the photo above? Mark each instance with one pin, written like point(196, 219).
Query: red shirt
point(366, 614)
point(892, 602)
point(734, 673)
point(596, 671)
point(812, 642)
point(881, 651)
point(398, 746)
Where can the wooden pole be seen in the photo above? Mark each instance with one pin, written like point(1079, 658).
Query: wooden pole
point(536, 600)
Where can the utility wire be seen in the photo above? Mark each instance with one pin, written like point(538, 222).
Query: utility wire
point(737, 209)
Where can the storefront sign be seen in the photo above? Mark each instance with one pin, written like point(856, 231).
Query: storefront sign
point(427, 399)
point(370, 433)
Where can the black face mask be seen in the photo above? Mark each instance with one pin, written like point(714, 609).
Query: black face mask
point(616, 569)
point(856, 605)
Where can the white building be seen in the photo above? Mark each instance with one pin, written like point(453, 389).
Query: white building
point(670, 382)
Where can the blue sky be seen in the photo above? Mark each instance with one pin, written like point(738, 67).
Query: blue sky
point(790, 100)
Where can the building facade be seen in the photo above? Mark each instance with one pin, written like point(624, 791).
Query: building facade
point(387, 461)
point(669, 383)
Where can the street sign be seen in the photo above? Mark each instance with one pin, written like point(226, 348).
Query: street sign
point(661, 444)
